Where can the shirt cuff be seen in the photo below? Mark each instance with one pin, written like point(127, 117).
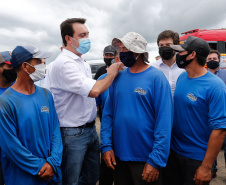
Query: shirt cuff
point(86, 87)
point(105, 149)
point(150, 161)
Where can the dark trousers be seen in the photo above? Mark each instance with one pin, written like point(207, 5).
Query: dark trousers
point(106, 174)
point(130, 173)
point(1, 175)
point(180, 170)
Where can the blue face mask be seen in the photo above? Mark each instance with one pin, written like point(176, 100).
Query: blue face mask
point(84, 45)
point(127, 58)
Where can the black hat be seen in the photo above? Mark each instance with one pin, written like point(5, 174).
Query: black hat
point(110, 49)
point(200, 46)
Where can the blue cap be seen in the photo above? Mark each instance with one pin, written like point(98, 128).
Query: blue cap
point(23, 53)
point(5, 57)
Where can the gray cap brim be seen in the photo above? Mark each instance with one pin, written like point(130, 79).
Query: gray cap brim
point(42, 54)
point(177, 48)
point(109, 52)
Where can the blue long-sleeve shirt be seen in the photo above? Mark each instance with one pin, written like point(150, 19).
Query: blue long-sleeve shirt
point(137, 117)
point(2, 90)
point(30, 136)
point(199, 107)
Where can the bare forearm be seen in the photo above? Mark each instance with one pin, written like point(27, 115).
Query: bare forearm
point(101, 86)
point(214, 145)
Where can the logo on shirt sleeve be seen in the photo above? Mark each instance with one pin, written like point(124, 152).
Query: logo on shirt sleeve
point(45, 109)
point(140, 91)
point(192, 97)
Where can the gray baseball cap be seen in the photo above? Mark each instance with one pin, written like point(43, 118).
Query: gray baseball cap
point(134, 42)
point(5, 57)
point(110, 49)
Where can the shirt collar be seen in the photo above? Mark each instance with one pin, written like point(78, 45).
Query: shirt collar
point(160, 62)
point(216, 72)
point(70, 54)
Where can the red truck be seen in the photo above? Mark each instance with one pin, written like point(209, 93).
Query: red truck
point(215, 37)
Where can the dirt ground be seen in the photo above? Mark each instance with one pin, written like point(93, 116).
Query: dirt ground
point(221, 174)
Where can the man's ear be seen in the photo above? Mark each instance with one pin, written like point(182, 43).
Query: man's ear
point(193, 54)
point(24, 67)
point(68, 39)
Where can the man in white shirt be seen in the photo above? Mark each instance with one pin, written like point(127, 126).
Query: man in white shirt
point(74, 90)
point(167, 62)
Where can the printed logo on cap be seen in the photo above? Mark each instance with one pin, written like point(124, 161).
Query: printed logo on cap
point(36, 50)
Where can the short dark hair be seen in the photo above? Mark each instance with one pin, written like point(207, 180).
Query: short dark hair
point(67, 29)
point(201, 60)
point(169, 34)
point(217, 52)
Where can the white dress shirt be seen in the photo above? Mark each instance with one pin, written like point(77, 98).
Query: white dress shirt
point(70, 80)
point(171, 73)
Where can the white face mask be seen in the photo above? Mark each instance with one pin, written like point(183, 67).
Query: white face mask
point(39, 73)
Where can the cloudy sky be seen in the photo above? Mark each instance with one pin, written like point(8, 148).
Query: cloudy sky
point(36, 22)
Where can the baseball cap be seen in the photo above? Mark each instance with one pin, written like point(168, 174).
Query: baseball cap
point(5, 57)
point(134, 42)
point(200, 46)
point(109, 49)
point(23, 53)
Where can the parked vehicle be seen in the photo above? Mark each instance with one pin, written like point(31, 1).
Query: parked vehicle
point(215, 37)
point(95, 65)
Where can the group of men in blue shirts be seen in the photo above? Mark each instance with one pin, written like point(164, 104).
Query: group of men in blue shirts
point(148, 136)
point(138, 117)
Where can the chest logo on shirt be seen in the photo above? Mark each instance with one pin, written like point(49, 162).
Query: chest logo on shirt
point(140, 91)
point(45, 109)
point(192, 97)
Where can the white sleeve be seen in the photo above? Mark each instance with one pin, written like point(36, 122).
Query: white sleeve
point(75, 80)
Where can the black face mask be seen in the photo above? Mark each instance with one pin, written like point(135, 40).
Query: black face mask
point(212, 64)
point(127, 58)
point(108, 61)
point(9, 74)
point(181, 60)
point(166, 53)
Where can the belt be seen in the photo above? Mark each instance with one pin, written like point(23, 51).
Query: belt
point(90, 124)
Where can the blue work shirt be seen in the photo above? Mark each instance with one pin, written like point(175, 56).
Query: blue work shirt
point(137, 117)
point(199, 107)
point(30, 136)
